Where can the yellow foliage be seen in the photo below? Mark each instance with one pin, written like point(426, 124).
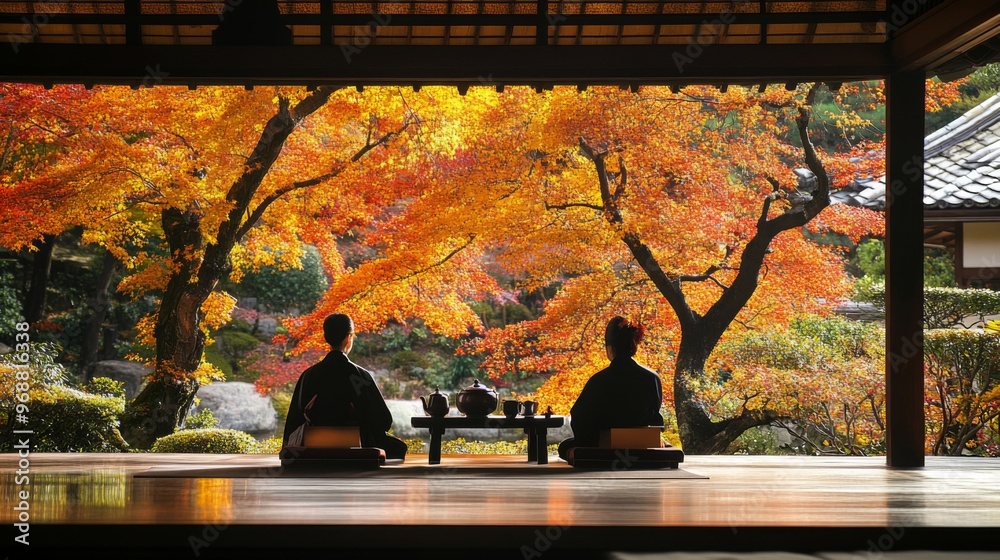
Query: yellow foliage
point(217, 310)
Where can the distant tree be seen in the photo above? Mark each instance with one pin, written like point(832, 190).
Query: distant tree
point(285, 288)
point(679, 209)
point(9, 304)
point(939, 265)
point(215, 174)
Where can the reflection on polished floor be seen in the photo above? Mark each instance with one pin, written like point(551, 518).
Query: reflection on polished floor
point(118, 504)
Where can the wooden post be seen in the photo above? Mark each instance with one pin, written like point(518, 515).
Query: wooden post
point(326, 22)
point(542, 27)
point(904, 216)
point(133, 27)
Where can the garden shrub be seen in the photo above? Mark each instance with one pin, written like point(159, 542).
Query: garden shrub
point(9, 305)
point(105, 386)
point(281, 400)
point(414, 445)
point(962, 389)
point(271, 445)
point(824, 374)
point(408, 361)
point(236, 343)
point(43, 366)
point(390, 388)
point(281, 288)
point(62, 418)
point(460, 446)
point(217, 359)
point(202, 419)
point(206, 440)
point(759, 440)
point(939, 266)
point(65, 419)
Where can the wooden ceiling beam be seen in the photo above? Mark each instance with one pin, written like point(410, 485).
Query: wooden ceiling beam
point(944, 32)
point(446, 65)
point(961, 215)
point(134, 21)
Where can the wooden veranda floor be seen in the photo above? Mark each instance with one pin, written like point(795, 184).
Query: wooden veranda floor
point(498, 507)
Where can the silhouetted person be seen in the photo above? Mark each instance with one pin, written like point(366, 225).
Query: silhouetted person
point(623, 395)
point(346, 393)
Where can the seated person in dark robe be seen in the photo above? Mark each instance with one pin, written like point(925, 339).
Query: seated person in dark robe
point(345, 393)
point(623, 395)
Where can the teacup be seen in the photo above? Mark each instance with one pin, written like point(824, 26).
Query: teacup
point(511, 408)
point(529, 408)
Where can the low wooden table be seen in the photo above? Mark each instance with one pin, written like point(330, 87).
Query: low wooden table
point(535, 426)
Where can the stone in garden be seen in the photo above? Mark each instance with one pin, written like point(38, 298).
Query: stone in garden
point(267, 326)
point(131, 374)
point(238, 406)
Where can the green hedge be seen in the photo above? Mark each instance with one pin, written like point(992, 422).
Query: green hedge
point(65, 420)
point(207, 440)
point(946, 307)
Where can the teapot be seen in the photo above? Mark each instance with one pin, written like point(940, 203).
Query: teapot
point(436, 404)
point(477, 400)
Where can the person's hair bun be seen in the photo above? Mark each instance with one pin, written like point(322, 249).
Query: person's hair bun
point(624, 335)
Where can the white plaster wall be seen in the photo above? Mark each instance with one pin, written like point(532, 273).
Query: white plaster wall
point(981, 245)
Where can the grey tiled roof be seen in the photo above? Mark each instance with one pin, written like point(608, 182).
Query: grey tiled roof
point(961, 168)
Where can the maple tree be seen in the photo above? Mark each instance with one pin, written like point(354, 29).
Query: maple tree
point(727, 269)
point(34, 122)
point(613, 196)
point(680, 209)
point(230, 180)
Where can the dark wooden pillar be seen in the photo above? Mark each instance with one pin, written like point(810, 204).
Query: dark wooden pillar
point(904, 269)
point(326, 27)
point(133, 29)
point(542, 28)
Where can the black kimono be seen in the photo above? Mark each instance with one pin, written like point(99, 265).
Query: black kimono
point(346, 395)
point(625, 394)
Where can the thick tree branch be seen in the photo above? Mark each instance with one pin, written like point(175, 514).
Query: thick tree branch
point(258, 212)
point(6, 146)
point(241, 193)
point(726, 431)
point(670, 288)
point(369, 145)
point(417, 272)
point(745, 284)
point(622, 179)
point(706, 276)
point(699, 277)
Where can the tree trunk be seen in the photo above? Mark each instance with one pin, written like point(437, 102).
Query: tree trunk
point(163, 403)
point(99, 303)
point(41, 264)
point(699, 434)
point(256, 317)
point(180, 343)
point(700, 333)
